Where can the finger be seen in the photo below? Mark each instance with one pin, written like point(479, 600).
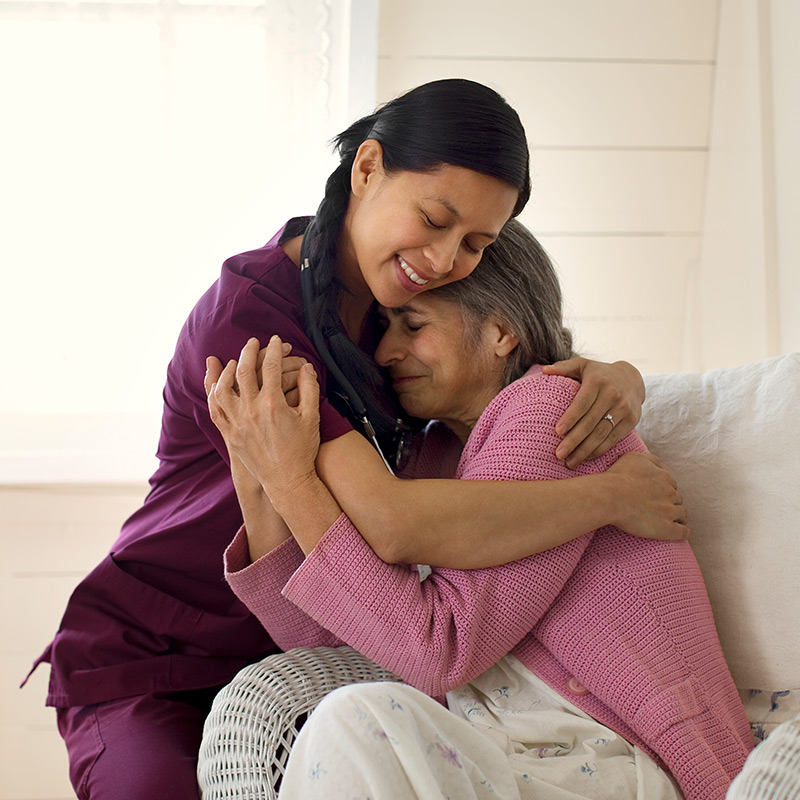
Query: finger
point(670, 477)
point(290, 370)
point(654, 459)
point(615, 435)
point(608, 420)
point(308, 387)
point(585, 402)
point(225, 389)
point(271, 370)
point(292, 398)
point(246, 369)
point(621, 419)
point(580, 421)
point(569, 368)
point(680, 532)
point(591, 446)
point(215, 411)
point(289, 379)
point(292, 363)
point(286, 349)
point(213, 371)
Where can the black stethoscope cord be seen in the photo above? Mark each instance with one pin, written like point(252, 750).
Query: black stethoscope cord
point(318, 340)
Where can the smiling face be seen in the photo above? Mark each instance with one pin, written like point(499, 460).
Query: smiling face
point(437, 371)
point(407, 232)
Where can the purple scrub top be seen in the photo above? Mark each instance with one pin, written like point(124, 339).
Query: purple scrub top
point(156, 615)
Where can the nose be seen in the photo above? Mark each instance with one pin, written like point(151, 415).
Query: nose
point(441, 255)
point(388, 350)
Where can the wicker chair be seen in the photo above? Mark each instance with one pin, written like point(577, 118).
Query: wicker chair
point(255, 719)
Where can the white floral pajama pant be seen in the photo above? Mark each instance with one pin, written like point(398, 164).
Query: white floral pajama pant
point(506, 736)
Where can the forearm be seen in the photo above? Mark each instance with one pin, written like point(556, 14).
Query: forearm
point(461, 524)
point(308, 510)
point(264, 526)
point(259, 585)
point(435, 634)
point(471, 524)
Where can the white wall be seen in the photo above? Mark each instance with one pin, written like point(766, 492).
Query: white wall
point(665, 170)
point(785, 62)
point(664, 145)
point(141, 148)
point(92, 310)
point(747, 281)
point(615, 97)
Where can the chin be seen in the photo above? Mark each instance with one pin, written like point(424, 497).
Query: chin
point(415, 410)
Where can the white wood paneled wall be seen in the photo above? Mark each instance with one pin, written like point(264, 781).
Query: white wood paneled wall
point(747, 286)
point(615, 97)
point(50, 537)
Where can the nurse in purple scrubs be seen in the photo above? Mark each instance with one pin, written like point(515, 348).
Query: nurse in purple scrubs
point(424, 186)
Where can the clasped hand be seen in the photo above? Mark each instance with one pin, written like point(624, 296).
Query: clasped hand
point(268, 424)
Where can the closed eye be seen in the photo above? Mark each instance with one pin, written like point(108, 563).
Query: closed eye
point(432, 224)
point(472, 249)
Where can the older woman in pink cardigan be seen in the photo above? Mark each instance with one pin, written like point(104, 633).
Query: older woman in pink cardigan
point(592, 669)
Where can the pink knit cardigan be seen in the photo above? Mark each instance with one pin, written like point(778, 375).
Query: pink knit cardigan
point(618, 625)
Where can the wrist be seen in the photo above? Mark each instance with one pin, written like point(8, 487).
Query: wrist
point(307, 507)
point(610, 499)
point(289, 490)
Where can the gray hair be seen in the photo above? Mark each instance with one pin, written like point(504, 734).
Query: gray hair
point(515, 282)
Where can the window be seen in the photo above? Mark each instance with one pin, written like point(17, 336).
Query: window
point(144, 141)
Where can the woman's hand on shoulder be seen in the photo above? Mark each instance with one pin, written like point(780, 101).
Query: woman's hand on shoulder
point(607, 408)
point(648, 501)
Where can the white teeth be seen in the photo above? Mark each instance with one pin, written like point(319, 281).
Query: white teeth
point(410, 272)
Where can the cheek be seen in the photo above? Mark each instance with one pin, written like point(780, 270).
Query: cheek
point(465, 265)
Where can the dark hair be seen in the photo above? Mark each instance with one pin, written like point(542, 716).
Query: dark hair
point(516, 282)
point(448, 122)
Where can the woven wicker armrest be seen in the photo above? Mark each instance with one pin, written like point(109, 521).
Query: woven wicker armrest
point(255, 719)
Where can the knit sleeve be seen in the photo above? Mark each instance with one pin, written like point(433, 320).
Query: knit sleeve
point(258, 585)
point(444, 631)
point(515, 438)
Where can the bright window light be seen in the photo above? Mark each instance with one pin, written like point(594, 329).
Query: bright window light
point(143, 143)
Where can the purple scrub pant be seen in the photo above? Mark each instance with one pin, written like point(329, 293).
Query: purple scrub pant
point(137, 747)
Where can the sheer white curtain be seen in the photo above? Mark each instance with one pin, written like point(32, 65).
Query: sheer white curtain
point(746, 287)
point(144, 141)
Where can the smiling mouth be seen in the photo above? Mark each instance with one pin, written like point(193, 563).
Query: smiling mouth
point(412, 276)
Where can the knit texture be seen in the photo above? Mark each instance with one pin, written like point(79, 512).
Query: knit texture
point(627, 617)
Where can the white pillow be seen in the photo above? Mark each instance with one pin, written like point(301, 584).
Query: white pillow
point(731, 438)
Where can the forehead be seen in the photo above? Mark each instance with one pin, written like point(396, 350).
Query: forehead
point(424, 303)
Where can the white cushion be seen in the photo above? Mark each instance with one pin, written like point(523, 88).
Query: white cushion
point(731, 437)
point(771, 772)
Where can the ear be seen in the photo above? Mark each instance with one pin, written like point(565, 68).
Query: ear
point(367, 169)
point(502, 338)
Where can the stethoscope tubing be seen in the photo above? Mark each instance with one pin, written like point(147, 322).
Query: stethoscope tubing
point(355, 402)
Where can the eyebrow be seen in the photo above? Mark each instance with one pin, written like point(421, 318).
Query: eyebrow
point(399, 310)
point(454, 211)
